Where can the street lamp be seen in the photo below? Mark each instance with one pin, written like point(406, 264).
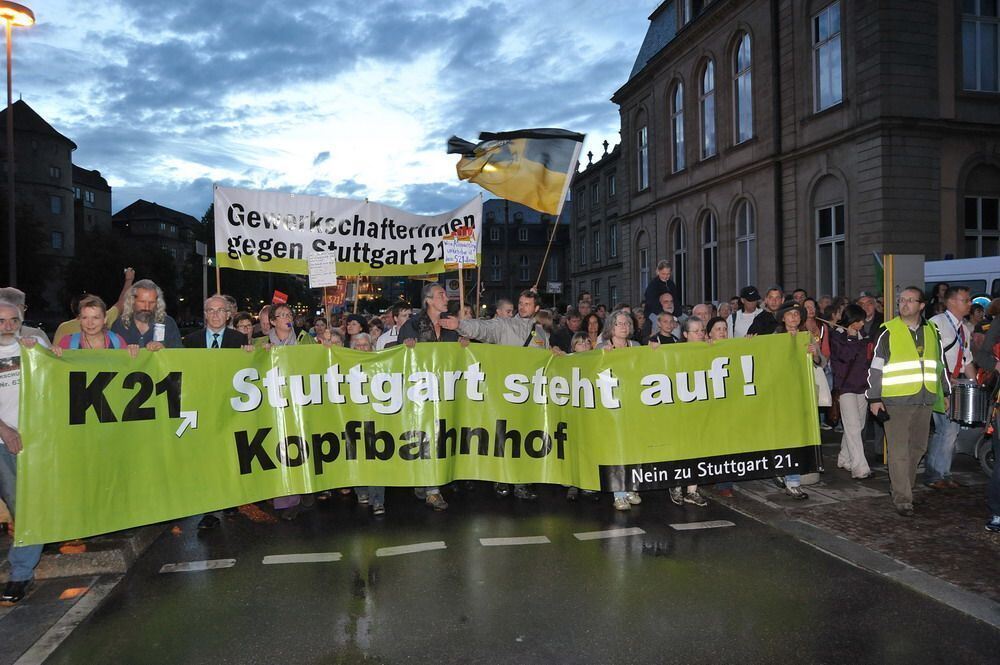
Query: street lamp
point(11, 13)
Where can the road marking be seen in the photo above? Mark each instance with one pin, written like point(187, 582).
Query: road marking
point(196, 566)
point(523, 540)
point(316, 557)
point(55, 635)
point(410, 549)
point(611, 533)
point(710, 524)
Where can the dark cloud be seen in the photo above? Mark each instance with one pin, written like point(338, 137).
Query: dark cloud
point(432, 198)
point(349, 188)
point(321, 157)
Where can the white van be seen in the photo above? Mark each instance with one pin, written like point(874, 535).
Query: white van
point(982, 276)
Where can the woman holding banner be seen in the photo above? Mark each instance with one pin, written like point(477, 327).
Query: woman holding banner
point(618, 331)
point(94, 333)
point(591, 325)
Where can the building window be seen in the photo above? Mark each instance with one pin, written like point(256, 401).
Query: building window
point(55, 172)
point(55, 204)
point(57, 240)
point(163, 227)
point(612, 293)
point(595, 291)
point(613, 240)
point(523, 269)
point(643, 270)
point(708, 110)
point(982, 226)
point(827, 72)
point(490, 216)
point(746, 245)
point(518, 217)
point(981, 45)
point(496, 273)
point(680, 256)
point(89, 197)
point(76, 193)
point(744, 90)
point(612, 191)
point(494, 234)
point(522, 235)
point(677, 127)
point(709, 258)
point(553, 268)
point(597, 246)
point(583, 248)
point(579, 197)
point(642, 154)
point(595, 194)
point(830, 247)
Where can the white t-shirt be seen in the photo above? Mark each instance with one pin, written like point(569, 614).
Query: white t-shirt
point(743, 323)
point(947, 326)
point(10, 382)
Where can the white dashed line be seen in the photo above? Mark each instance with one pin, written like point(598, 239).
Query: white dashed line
point(711, 524)
point(315, 557)
point(196, 566)
point(612, 533)
point(524, 540)
point(410, 549)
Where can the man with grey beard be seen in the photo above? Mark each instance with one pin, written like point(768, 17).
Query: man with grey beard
point(144, 321)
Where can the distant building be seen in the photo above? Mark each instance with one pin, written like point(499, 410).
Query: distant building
point(143, 225)
point(515, 238)
point(784, 142)
point(91, 201)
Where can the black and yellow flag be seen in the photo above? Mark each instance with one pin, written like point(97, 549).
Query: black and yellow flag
point(529, 166)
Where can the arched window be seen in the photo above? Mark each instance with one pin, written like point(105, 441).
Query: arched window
point(831, 237)
point(709, 257)
point(707, 105)
point(677, 126)
point(744, 90)
point(679, 241)
point(982, 212)
point(642, 153)
point(746, 245)
point(642, 250)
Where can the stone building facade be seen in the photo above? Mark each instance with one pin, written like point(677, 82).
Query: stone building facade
point(786, 142)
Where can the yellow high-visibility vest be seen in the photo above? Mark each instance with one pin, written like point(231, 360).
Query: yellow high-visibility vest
point(908, 369)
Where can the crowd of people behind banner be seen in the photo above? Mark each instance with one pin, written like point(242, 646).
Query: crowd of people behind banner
point(865, 368)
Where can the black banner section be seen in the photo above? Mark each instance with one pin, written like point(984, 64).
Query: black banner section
point(709, 470)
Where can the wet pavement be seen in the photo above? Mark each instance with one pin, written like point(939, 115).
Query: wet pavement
point(582, 583)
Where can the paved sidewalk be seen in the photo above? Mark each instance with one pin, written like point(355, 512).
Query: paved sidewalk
point(944, 544)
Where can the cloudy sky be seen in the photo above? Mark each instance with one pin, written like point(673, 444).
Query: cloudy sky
point(329, 97)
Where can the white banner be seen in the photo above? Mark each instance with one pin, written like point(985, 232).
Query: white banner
point(278, 232)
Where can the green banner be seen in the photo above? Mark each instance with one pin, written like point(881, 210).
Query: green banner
point(112, 442)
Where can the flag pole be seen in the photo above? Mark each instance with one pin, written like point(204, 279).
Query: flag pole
point(479, 284)
point(218, 279)
point(357, 292)
point(461, 291)
point(548, 247)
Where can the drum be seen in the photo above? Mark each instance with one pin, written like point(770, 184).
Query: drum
point(970, 403)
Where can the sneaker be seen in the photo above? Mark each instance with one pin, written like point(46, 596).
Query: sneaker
point(363, 498)
point(524, 493)
point(420, 493)
point(502, 489)
point(208, 522)
point(572, 493)
point(14, 592)
point(905, 510)
point(378, 509)
point(796, 493)
point(621, 503)
point(696, 498)
point(594, 496)
point(779, 482)
point(437, 502)
point(633, 498)
point(994, 524)
point(839, 428)
point(677, 496)
point(824, 426)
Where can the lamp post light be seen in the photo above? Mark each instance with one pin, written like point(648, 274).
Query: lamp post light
point(12, 13)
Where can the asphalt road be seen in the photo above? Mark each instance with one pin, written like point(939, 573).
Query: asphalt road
point(646, 591)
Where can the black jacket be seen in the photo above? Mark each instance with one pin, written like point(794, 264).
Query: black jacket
point(230, 339)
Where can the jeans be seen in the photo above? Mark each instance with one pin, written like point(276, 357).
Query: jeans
point(22, 559)
point(793, 480)
point(376, 495)
point(941, 449)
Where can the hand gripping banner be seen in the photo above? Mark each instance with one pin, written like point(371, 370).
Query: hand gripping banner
point(112, 442)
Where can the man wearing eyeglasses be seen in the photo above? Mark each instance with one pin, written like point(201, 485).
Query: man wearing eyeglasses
point(956, 338)
point(906, 375)
point(215, 334)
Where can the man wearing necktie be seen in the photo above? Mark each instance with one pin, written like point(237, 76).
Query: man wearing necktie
point(215, 335)
point(956, 338)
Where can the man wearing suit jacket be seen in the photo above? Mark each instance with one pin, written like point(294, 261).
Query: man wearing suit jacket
point(215, 335)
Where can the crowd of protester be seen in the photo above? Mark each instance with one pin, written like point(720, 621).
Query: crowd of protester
point(860, 365)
